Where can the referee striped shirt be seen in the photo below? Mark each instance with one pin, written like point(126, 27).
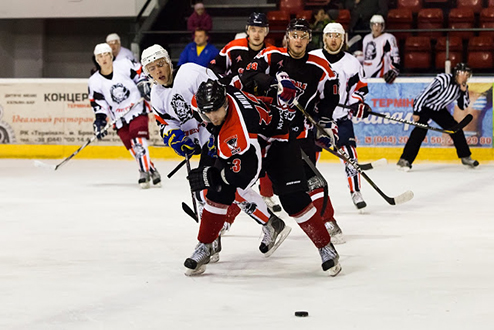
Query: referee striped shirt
point(442, 91)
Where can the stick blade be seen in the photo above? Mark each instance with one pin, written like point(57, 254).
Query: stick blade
point(186, 208)
point(403, 198)
point(40, 164)
point(374, 164)
point(464, 122)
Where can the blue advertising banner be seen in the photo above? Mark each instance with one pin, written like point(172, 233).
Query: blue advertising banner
point(397, 100)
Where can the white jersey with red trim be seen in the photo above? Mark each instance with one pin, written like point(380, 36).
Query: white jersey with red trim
point(380, 55)
point(114, 94)
point(172, 105)
point(352, 83)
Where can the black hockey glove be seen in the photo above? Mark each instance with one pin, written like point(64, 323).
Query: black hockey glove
point(360, 110)
point(390, 76)
point(98, 126)
point(145, 89)
point(204, 178)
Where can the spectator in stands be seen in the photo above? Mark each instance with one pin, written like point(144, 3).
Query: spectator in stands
point(362, 11)
point(200, 51)
point(118, 51)
point(199, 19)
point(321, 19)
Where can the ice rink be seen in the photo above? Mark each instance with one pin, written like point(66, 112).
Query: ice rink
point(85, 248)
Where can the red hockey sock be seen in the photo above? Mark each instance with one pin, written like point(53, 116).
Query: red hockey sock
point(311, 223)
point(317, 196)
point(212, 220)
point(232, 212)
point(265, 187)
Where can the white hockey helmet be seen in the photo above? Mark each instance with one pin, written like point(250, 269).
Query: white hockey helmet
point(102, 48)
point(153, 53)
point(334, 28)
point(377, 19)
point(112, 37)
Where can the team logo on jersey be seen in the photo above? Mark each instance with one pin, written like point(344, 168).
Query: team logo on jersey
point(370, 51)
point(119, 93)
point(239, 58)
point(280, 64)
point(232, 143)
point(181, 108)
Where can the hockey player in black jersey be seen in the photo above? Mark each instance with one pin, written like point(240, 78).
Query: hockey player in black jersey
point(241, 123)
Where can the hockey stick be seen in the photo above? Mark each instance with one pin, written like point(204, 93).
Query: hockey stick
point(175, 170)
point(464, 122)
point(374, 164)
point(404, 197)
point(319, 175)
point(38, 163)
point(185, 207)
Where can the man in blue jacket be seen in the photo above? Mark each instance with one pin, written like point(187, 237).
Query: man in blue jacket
point(199, 51)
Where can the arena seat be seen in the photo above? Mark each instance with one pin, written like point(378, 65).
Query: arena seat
point(475, 5)
point(480, 53)
point(430, 18)
point(455, 51)
point(490, 3)
point(487, 21)
point(291, 6)
point(344, 18)
point(278, 21)
point(305, 14)
point(317, 3)
point(413, 5)
point(417, 53)
point(461, 18)
point(400, 19)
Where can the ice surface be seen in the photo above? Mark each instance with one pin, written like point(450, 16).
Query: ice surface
point(85, 248)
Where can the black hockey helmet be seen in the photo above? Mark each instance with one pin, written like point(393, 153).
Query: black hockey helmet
point(210, 96)
point(258, 19)
point(461, 67)
point(299, 24)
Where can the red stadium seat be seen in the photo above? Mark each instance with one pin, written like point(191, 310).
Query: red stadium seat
point(490, 3)
point(455, 51)
point(417, 53)
point(317, 3)
point(430, 18)
point(344, 18)
point(461, 18)
point(487, 21)
point(305, 14)
point(413, 5)
point(278, 21)
point(475, 5)
point(480, 53)
point(291, 6)
point(400, 19)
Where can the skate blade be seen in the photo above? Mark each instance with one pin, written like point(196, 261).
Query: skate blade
point(157, 185)
point(335, 270)
point(404, 169)
point(144, 185)
point(214, 258)
point(194, 272)
point(281, 237)
point(338, 239)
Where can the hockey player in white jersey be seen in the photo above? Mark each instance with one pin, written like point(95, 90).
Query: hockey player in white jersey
point(352, 90)
point(119, 52)
point(113, 90)
point(171, 97)
point(381, 55)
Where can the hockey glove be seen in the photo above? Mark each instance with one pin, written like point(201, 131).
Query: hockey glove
point(286, 89)
point(98, 126)
point(212, 151)
point(182, 145)
point(327, 140)
point(360, 110)
point(390, 76)
point(204, 178)
point(145, 89)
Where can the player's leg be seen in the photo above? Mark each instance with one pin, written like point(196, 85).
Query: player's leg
point(414, 142)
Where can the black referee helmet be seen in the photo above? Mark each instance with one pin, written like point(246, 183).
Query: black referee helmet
point(461, 67)
point(210, 96)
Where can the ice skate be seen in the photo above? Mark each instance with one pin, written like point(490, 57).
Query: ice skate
point(468, 161)
point(196, 264)
point(226, 227)
point(275, 232)
point(156, 177)
point(358, 200)
point(330, 260)
point(271, 204)
point(144, 179)
point(216, 249)
point(404, 165)
point(335, 232)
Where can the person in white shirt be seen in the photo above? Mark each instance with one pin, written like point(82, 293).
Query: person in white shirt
point(117, 50)
point(381, 55)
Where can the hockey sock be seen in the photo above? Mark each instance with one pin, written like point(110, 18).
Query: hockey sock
point(252, 203)
point(311, 223)
point(212, 220)
point(265, 187)
point(232, 212)
point(317, 196)
point(141, 153)
point(353, 176)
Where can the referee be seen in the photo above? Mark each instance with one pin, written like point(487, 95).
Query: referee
point(431, 104)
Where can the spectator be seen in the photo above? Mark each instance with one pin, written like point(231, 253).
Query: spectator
point(118, 51)
point(199, 51)
point(321, 19)
point(199, 19)
point(362, 11)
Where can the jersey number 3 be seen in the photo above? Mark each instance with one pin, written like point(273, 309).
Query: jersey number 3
point(236, 167)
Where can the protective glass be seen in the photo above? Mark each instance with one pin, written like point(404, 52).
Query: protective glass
point(334, 35)
point(155, 65)
point(295, 35)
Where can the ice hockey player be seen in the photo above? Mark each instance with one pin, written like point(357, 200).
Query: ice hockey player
point(113, 90)
point(240, 123)
point(352, 89)
point(171, 98)
point(119, 52)
point(381, 55)
point(232, 60)
point(309, 79)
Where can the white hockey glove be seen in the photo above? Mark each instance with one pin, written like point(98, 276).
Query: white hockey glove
point(286, 90)
point(329, 140)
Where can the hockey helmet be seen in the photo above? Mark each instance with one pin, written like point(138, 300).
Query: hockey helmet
point(153, 53)
point(334, 28)
point(299, 24)
point(102, 48)
point(210, 96)
point(377, 19)
point(462, 67)
point(258, 19)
